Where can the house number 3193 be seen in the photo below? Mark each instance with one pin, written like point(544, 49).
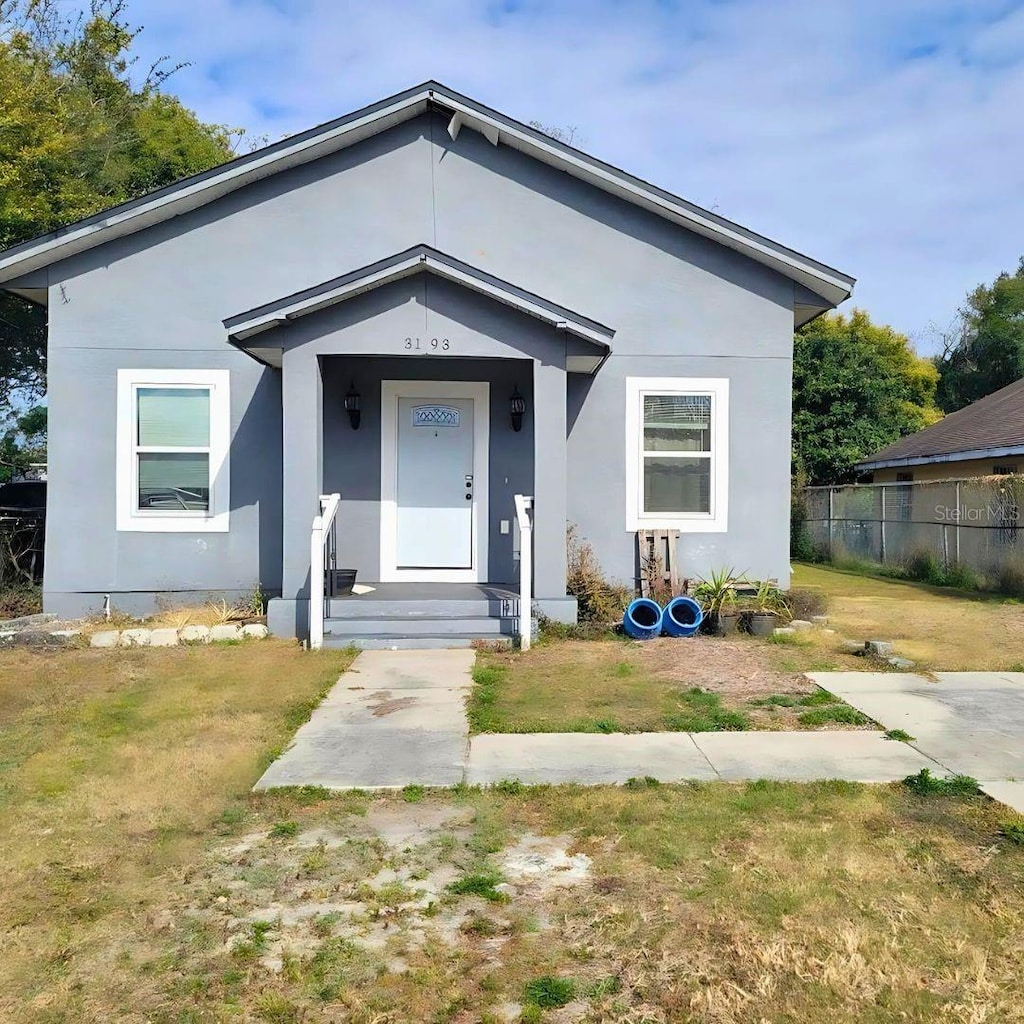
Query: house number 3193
point(427, 345)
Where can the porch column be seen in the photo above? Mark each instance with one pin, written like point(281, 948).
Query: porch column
point(549, 476)
point(302, 412)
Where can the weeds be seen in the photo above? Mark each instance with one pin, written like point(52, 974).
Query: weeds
point(413, 793)
point(283, 830)
point(899, 734)
point(926, 784)
point(483, 884)
point(509, 787)
point(599, 600)
point(480, 708)
point(841, 714)
point(701, 711)
point(1013, 832)
point(549, 992)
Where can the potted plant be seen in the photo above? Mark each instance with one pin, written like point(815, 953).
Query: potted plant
point(768, 604)
point(717, 595)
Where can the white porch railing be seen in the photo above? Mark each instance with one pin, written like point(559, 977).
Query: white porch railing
point(318, 541)
point(524, 505)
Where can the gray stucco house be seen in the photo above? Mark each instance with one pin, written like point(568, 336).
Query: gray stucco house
point(427, 308)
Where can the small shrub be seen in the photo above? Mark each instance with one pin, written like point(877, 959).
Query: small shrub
point(413, 793)
point(1010, 580)
point(805, 602)
point(599, 599)
point(898, 734)
point(482, 884)
point(20, 599)
point(842, 714)
point(926, 784)
point(924, 567)
point(1013, 831)
point(284, 830)
point(549, 992)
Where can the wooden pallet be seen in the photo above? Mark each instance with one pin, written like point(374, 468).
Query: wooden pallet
point(657, 551)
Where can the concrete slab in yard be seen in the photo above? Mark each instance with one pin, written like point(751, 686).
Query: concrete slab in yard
point(1009, 793)
point(583, 758)
point(394, 718)
point(806, 756)
point(970, 722)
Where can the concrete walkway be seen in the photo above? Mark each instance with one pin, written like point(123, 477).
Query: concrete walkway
point(969, 722)
point(398, 717)
point(393, 718)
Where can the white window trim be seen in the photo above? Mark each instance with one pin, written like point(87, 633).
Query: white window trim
point(717, 520)
point(129, 519)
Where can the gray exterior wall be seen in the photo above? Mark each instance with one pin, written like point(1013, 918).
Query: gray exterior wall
point(680, 304)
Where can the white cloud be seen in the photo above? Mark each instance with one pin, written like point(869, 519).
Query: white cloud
point(881, 138)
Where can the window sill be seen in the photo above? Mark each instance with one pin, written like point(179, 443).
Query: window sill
point(680, 523)
point(172, 524)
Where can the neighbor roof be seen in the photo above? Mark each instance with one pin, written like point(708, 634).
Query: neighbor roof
point(992, 426)
point(824, 281)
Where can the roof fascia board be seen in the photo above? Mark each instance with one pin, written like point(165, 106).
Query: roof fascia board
point(620, 183)
point(924, 460)
point(142, 213)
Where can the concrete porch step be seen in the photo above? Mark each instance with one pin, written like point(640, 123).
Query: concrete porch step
point(367, 625)
point(371, 606)
point(385, 642)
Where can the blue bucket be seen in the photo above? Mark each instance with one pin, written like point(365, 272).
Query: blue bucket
point(642, 619)
point(682, 617)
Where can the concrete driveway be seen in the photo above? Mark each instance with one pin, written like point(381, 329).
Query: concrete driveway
point(970, 722)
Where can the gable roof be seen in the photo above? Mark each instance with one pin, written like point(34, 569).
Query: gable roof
point(190, 193)
point(992, 426)
point(245, 327)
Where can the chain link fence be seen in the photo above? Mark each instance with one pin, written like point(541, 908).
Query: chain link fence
point(970, 524)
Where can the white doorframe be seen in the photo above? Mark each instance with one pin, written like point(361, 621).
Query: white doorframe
point(390, 392)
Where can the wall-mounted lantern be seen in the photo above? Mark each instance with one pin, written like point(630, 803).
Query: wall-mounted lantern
point(352, 406)
point(517, 406)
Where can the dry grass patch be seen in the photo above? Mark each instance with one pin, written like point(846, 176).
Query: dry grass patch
point(937, 627)
point(697, 684)
point(113, 767)
point(144, 882)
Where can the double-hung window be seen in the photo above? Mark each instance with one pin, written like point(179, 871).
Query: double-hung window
point(677, 450)
point(173, 432)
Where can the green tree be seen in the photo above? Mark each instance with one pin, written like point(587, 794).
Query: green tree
point(985, 350)
point(23, 442)
point(857, 386)
point(81, 129)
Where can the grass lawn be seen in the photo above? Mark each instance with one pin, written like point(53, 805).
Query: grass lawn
point(704, 683)
point(145, 883)
point(940, 628)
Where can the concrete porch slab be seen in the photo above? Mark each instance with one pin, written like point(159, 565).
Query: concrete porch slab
point(583, 758)
point(808, 756)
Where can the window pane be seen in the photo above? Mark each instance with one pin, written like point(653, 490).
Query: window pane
point(677, 485)
point(174, 417)
point(677, 423)
point(174, 481)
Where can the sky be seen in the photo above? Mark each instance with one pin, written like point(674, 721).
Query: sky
point(883, 137)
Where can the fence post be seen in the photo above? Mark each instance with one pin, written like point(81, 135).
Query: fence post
point(956, 527)
point(831, 525)
point(882, 552)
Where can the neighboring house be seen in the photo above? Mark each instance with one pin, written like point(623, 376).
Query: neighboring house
point(428, 308)
point(985, 438)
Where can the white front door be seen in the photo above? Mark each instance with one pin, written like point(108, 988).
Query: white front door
point(434, 481)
